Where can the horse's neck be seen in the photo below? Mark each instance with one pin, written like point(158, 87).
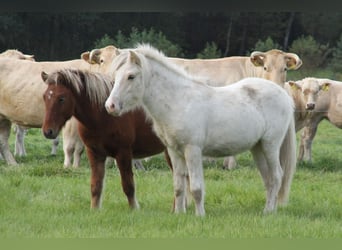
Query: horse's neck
point(88, 113)
point(166, 87)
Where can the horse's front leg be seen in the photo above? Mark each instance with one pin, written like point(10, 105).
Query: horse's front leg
point(193, 158)
point(97, 175)
point(124, 162)
point(180, 175)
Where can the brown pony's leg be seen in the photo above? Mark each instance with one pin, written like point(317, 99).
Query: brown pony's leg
point(96, 179)
point(124, 162)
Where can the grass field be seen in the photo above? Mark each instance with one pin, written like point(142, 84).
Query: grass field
point(41, 199)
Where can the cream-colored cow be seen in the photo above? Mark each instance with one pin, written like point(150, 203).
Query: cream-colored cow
point(21, 91)
point(271, 65)
point(20, 131)
point(315, 99)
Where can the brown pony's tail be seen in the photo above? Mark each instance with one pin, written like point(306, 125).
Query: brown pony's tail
point(288, 161)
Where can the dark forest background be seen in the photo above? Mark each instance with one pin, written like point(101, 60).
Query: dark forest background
point(64, 36)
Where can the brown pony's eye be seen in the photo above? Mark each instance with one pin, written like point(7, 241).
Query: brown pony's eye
point(61, 99)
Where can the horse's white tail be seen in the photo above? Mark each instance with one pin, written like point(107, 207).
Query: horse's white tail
point(288, 161)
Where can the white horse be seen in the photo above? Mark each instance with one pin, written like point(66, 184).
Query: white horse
point(194, 119)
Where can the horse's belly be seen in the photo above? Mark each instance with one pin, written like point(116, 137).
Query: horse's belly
point(228, 149)
point(233, 142)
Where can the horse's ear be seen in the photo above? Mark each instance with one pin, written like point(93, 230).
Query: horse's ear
point(134, 58)
point(44, 76)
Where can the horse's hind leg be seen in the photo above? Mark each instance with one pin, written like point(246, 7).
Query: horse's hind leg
point(5, 130)
point(124, 162)
point(267, 161)
point(97, 176)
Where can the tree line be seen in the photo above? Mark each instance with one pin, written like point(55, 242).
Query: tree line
point(62, 36)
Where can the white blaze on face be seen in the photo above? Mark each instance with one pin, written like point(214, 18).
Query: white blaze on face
point(50, 94)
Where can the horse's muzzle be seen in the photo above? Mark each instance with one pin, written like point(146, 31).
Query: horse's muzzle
point(50, 133)
point(110, 107)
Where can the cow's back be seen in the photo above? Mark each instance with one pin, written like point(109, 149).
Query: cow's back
point(21, 88)
point(218, 72)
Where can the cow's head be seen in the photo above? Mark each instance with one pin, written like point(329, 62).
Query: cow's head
point(310, 89)
point(275, 64)
point(101, 57)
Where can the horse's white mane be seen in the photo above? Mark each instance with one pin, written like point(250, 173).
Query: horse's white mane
point(150, 52)
point(96, 85)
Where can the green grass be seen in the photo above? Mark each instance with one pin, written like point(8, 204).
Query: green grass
point(41, 199)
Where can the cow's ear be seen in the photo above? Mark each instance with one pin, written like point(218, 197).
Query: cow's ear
point(293, 61)
point(44, 76)
point(294, 85)
point(94, 56)
point(325, 86)
point(85, 56)
point(257, 58)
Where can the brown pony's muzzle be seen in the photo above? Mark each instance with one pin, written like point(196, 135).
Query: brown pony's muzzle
point(50, 133)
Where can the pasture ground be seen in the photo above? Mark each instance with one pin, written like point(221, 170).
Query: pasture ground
point(41, 199)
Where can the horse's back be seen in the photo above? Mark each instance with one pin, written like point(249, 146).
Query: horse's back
point(246, 112)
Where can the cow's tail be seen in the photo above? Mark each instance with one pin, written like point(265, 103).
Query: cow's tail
point(288, 161)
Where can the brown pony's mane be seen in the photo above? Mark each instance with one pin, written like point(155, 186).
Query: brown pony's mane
point(96, 85)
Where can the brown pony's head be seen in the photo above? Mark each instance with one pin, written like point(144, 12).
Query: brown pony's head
point(59, 104)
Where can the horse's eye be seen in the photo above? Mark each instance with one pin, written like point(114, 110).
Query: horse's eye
point(101, 61)
point(265, 68)
point(131, 77)
point(61, 99)
point(285, 69)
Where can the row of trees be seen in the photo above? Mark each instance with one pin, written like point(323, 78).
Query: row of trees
point(316, 37)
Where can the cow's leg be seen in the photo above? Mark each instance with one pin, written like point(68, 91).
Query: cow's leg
point(19, 148)
point(5, 131)
point(68, 150)
point(229, 163)
point(305, 148)
point(124, 162)
point(54, 145)
point(79, 148)
point(138, 164)
point(97, 175)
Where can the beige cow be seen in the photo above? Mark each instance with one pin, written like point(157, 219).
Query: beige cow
point(21, 91)
point(271, 65)
point(20, 131)
point(315, 99)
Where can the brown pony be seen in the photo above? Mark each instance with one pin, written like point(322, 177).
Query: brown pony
point(82, 94)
